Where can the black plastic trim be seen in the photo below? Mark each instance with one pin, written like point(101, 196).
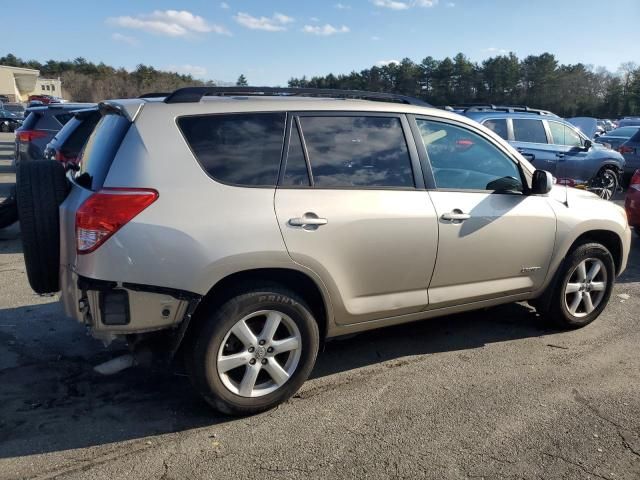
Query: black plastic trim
point(85, 283)
point(195, 94)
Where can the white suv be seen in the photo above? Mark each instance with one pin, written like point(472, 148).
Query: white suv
point(240, 227)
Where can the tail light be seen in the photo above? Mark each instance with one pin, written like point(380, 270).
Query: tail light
point(107, 211)
point(61, 157)
point(635, 181)
point(625, 149)
point(27, 136)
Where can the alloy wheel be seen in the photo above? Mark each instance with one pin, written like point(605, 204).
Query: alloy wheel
point(605, 184)
point(586, 287)
point(259, 353)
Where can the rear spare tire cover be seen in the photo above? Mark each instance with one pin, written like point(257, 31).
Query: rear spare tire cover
point(41, 188)
point(9, 209)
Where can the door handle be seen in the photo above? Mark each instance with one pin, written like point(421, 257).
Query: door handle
point(309, 219)
point(455, 215)
point(529, 156)
point(560, 156)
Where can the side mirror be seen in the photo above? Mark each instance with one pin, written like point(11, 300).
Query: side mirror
point(588, 144)
point(542, 182)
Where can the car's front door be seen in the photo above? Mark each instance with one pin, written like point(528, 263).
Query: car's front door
point(494, 239)
point(351, 210)
point(530, 139)
point(571, 154)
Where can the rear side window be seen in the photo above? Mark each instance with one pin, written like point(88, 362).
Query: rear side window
point(529, 131)
point(357, 151)
point(499, 126)
point(80, 134)
point(240, 149)
point(100, 150)
point(63, 118)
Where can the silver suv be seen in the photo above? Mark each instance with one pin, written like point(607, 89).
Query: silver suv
point(240, 228)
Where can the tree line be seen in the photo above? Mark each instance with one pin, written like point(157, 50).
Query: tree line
point(538, 81)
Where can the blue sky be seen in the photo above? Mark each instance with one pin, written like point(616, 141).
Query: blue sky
point(271, 41)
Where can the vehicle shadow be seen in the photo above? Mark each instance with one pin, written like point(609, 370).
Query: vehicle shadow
point(51, 400)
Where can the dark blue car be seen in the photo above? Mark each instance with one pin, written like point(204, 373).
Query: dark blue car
point(553, 144)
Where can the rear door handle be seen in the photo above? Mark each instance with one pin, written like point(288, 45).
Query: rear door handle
point(309, 219)
point(455, 215)
point(529, 156)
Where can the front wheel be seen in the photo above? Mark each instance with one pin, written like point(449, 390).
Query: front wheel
point(255, 351)
point(605, 184)
point(584, 286)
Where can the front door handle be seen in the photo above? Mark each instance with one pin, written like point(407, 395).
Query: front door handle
point(456, 215)
point(560, 156)
point(309, 221)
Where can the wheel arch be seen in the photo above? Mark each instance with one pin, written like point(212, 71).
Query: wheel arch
point(299, 282)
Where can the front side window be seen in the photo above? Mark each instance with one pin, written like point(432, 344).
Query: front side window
point(564, 135)
point(531, 131)
point(357, 151)
point(240, 149)
point(463, 160)
point(499, 126)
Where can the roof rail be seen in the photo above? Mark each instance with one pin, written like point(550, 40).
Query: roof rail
point(508, 109)
point(195, 94)
point(155, 95)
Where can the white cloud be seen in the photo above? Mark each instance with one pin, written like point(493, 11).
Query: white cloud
point(382, 63)
point(118, 37)
point(404, 5)
point(325, 30)
point(171, 23)
point(276, 23)
point(224, 5)
point(495, 50)
point(342, 6)
point(187, 69)
point(392, 4)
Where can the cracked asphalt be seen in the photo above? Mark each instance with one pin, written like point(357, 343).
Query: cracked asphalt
point(488, 394)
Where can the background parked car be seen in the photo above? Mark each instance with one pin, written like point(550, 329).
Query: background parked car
point(68, 142)
point(9, 121)
point(591, 127)
point(15, 108)
point(555, 145)
point(45, 99)
point(617, 137)
point(39, 128)
point(630, 150)
point(632, 202)
point(629, 121)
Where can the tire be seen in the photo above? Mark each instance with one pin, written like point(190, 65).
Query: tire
point(224, 391)
point(9, 209)
point(41, 188)
point(605, 184)
point(561, 310)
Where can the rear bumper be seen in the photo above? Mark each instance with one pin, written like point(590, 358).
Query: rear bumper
point(112, 308)
point(632, 207)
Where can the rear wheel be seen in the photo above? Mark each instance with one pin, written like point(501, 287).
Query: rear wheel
point(255, 351)
point(584, 286)
point(605, 184)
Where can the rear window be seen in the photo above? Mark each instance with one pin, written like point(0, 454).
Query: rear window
point(63, 118)
point(82, 128)
point(529, 131)
point(100, 150)
point(239, 149)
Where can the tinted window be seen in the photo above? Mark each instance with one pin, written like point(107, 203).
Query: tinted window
point(499, 126)
point(357, 151)
point(461, 159)
point(296, 173)
point(80, 133)
point(63, 118)
point(623, 132)
point(100, 150)
point(529, 131)
point(563, 135)
point(242, 149)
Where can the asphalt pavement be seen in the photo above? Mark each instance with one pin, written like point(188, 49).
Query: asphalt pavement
point(488, 394)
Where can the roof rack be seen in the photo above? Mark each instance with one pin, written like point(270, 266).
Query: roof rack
point(504, 108)
point(155, 95)
point(195, 94)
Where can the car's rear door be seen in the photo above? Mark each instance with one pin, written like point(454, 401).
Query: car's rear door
point(352, 208)
point(530, 139)
point(494, 240)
